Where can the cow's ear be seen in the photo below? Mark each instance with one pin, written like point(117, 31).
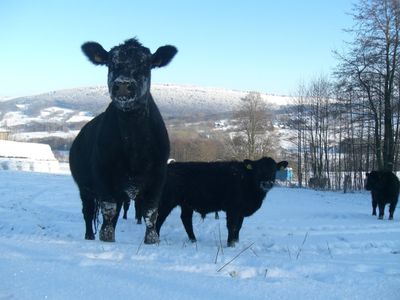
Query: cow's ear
point(282, 165)
point(95, 52)
point(163, 56)
point(248, 164)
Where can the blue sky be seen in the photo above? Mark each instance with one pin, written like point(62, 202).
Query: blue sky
point(266, 45)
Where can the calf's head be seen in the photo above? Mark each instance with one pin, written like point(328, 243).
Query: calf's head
point(129, 70)
point(373, 181)
point(263, 171)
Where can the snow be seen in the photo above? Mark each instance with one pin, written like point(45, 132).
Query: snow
point(304, 245)
point(25, 150)
point(26, 136)
point(27, 157)
point(80, 117)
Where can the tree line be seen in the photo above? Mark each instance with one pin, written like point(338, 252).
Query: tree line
point(350, 125)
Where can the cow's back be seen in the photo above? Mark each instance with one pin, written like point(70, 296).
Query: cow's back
point(207, 186)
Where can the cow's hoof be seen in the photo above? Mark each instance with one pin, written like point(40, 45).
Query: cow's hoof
point(193, 240)
point(139, 222)
point(151, 237)
point(107, 234)
point(391, 218)
point(232, 244)
point(374, 213)
point(380, 218)
point(89, 237)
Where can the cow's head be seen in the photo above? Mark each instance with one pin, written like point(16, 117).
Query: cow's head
point(373, 181)
point(263, 171)
point(129, 70)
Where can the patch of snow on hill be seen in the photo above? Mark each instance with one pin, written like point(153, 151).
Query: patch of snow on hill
point(80, 117)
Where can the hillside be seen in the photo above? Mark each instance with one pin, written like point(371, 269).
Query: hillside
point(56, 117)
point(76, 105)
point(301, 244)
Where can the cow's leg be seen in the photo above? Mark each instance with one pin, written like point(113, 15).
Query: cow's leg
point(238, 227)
point(138, 210)
point(187, 220)
point(150, 200)
point(115, 219)
point(89, 213)
point(374, 205)
point(234, 223)
point(150, 218)
point(381, 206)
point(150, 213)
point(163, 212)
point(392, 207)
point(127, 203)
point(109, 212)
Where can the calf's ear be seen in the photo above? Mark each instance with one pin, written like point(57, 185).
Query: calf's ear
point(95, 52)
point(163, 56)
point(282, 165)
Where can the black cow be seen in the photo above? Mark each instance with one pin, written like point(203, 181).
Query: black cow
point(384, 187)
point(238, 188)
point(122, 153)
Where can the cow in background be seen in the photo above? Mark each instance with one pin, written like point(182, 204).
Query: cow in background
point(122, 153)
point(384, 187)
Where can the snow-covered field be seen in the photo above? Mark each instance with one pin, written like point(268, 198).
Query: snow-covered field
point(304, 244)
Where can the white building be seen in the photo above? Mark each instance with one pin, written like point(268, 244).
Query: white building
point(27, 157)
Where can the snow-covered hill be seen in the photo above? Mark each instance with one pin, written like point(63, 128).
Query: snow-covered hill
point(81, 104)
point(301, 244)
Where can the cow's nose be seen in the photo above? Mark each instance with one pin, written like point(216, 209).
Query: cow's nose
point(123, 89)
point(266, 185)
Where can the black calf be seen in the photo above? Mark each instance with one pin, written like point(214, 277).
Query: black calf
point(122, 153)
point(238, 188)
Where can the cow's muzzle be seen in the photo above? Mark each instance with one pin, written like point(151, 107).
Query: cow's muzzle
point(266, 185)
point(124, 90)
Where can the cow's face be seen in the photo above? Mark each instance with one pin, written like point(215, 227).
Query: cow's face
point(129, 70)
point(264, 171)
point(373, 181)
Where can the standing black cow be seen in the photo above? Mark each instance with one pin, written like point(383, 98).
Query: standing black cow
point(238, 188)
point(123, 152)
point(384, 187)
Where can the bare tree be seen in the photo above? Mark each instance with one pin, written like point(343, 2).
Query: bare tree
point(371, 67)
point(254, 120)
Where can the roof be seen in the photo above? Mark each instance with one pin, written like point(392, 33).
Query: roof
point(36, 151)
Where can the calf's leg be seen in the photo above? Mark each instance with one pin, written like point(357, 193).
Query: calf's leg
point(381, 206)
point(138, 210)
point(109, 212)
point(374, 205)
point(187, 220)
point(127, 203)
point(163, 212)
point(150, 213)
point(89, 213)
point(234, 223)
point(392, 207)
